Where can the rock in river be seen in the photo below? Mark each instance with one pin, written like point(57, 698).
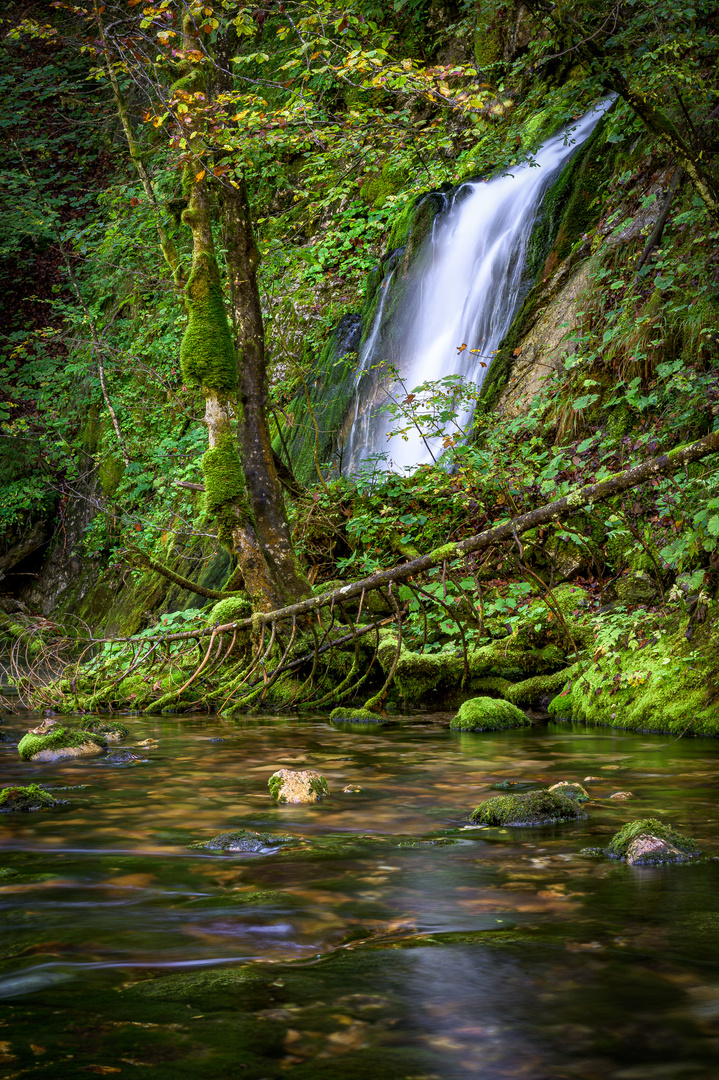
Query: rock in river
point(488, 714)
point(302, 786)
point(649, 842)
point(56, 743)
point(246, 840)
point(529, 808)
point(21, 799)
point(572, 790)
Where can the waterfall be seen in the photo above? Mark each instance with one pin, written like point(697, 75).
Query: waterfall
point(454, 311)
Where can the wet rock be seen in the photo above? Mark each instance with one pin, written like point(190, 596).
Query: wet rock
point(504, 785)
point(356, 715)
point(593, 779)
point(571, 789)
point(44, 727)
point(57, 743)
point(244, 840)
point(621, 796)
point(649, 842)
point(109, 730)
point(149, 742)
point(23, 799)
point(297, 786)
point(528, 808)
point(488, 714)
point(121, 757)
point(351, 789)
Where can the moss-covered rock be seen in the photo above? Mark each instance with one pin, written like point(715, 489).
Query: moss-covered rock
point(488, 714)
point(297, 786)
point(22, 799)
point(233, 609)
point(58, 743)
point(356, 715)
point(245, 840)
point(572, 789)
point(649, 842)
point(109, 730)
point(528, 808)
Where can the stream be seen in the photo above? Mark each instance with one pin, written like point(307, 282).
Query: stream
point(390, 941)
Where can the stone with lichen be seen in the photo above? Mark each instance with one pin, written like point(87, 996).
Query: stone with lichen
point(488, 714)
point(57, 743)
point(528, 808)
point(297, 786)
point(649, 842)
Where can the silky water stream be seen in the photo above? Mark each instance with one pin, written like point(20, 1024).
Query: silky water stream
point(390, 942)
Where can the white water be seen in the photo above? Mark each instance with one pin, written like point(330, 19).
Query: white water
point(466, 294)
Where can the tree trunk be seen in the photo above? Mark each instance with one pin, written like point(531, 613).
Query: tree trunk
point(264, 489)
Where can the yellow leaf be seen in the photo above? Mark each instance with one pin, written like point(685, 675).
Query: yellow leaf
point(200, 175)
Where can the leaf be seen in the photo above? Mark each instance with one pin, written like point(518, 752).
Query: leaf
point(516, 352)
point(462, 347)
point(200, 175)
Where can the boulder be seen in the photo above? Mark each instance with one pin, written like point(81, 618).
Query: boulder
point(297, 786)
point(572, 789)
point(649, 842)
point(22, 799)
point(245, 840)
point(109, 730)
point(621, 796)
point(488, 714)
point(528, 808)
point(356, 715)
point(56, 743)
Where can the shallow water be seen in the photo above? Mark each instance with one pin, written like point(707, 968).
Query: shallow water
point(390, 942)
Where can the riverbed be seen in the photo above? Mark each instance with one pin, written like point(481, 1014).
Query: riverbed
point(390, 940)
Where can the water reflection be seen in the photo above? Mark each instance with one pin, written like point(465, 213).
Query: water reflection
point(387, 938)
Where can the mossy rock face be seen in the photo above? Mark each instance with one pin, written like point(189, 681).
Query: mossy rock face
point(58, 743)
point(245, 840)
point(571, 789)
point(297, 786)
point(356, 715)
point(488, 714)
point(650, 842)
point(110, 730)
point(530, 808)
point(15, 800)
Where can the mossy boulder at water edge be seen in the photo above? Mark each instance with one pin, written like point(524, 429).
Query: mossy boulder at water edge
point(528, 808)
point(22, 799)
point(650, 842)
point(109, 730)
point(57, 743)
point(297, 786)
point(246, 841)
point(356, 715)
point(488, 714)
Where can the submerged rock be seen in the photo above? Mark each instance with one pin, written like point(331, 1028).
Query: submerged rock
point(621, 796)
point(302, 786)
point(56, 743)
point(356, 715)
point(528, 808)
point(649, 842)
point(488, 714)
point(109, 730)
point(572, 790)
point(245, 840)
point(22, 799)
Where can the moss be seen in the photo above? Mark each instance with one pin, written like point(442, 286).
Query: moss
point(56, 738)
point(488, 714)
point(111, 471)
point(529, 808)
point(233, 609)
point(106, 728)
point(355, 715)
point(619, 844)
point(224, 484)
point(207, 352)
point(23, 799)
point(319, 787)
point(538, 686)
point(668, 686)
point(388, 182)
point(245, 840)
point(275, 785)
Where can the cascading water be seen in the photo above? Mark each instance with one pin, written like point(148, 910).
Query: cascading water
point(455, 311)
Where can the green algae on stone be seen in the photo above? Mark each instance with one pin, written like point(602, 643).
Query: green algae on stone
point(356, 715)
point(245, 840)
point(530, 808)
point(23, 799)
point(572, 789)
point(110, 730)
point(60, 741)
point(651, 842)
point(297, 786)
point(488, 714)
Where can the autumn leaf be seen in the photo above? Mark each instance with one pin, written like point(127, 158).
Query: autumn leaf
point(200, 175)
point(516, 352)
point(462, 347)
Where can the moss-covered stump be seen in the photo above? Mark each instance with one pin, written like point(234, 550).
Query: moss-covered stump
point(245, 840)
point(109, 730)
point(529, 808)
point(58, 743)
point(572, 789)
point(356, 715)
point(650, 842)
point(15, 800)
point(297, 786)
point(488, 714)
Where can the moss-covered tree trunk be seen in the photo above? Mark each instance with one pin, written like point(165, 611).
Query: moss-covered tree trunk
point(209, 360)
point(263, 486)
